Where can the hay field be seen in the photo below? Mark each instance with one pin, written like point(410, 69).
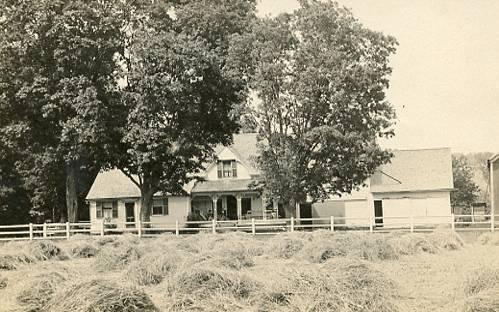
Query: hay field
point(319, 271)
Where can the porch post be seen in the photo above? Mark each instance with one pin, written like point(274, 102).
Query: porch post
point(239, 207)
point(214, 199)
point(275, 206)
point(264, 207)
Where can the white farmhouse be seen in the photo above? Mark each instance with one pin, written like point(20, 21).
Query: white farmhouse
point(416, 183)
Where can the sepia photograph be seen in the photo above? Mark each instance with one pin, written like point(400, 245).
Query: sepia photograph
point(249, 155)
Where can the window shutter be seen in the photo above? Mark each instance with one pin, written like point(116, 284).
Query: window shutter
point(220, 169)
point(165, 206)
point(98, 206)
point(234, 169)
point(115, 209)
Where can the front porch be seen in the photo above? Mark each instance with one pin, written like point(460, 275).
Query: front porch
point(235, 206)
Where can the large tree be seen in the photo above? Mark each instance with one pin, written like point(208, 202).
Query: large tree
point(184, 84)
point(320, 77)
point(466, 190)
point(58, 93)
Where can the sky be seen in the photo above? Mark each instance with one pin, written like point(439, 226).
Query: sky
point(445, 80)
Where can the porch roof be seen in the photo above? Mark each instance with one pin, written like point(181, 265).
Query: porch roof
point(222, 185)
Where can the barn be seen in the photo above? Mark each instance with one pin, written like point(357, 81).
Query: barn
point(416, 183)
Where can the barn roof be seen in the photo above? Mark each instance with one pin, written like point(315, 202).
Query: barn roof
point(415, 170)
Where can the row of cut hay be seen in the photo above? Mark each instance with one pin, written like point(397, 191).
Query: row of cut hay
point(15, 254)
point(206, 288)
point(341, 284)
point(481, 289)
point(344, 284)
point(153, 267)
point(99, 295)
point(39, 290)
point(490, 239)
point(318, 247)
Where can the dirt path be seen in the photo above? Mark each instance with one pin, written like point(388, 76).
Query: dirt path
point(435, 282)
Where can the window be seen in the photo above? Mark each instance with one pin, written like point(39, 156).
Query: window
point(160, 207)
point(99, 210)
point(245, 206)
point(227, 169)
point(107, 209)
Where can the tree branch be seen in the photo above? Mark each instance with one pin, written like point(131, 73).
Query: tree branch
point(139, 184)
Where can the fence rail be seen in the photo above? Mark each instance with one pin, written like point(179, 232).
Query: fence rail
point(256, 227)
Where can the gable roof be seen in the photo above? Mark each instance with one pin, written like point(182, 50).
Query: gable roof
point(415, 170)
point(244, 147)
point(113, 184)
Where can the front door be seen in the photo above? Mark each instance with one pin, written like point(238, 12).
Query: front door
point(130, 213)
point(378, 212)
point(231, 208)
point(306, 213)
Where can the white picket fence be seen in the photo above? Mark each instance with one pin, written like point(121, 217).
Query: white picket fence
point(256, 227)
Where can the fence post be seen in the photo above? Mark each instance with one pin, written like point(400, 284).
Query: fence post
point(31, 231)
point(332, 223)
point(492, 221)
point(177, 231)
point(253, 230)
point(68, 230)
point(453, 222)
point(102, 228)
point(292, 224)
point(214, 226)
point(44, 230)
point(139, 228)
point(412, 224)
point(372, 220)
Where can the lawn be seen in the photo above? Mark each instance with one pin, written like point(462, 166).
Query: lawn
point(319, 271)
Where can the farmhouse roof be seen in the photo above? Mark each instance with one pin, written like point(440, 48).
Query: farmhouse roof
point(245, 148)
point(113, 184)
point(415, 170)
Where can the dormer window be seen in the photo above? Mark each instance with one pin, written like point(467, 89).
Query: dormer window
point(227, 169)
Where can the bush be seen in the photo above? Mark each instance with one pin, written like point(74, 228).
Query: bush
point(100, 295)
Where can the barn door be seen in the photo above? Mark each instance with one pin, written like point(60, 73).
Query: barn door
point(378, 212)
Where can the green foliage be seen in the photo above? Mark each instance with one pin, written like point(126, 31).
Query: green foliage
point(466, 191)
point(321, 78)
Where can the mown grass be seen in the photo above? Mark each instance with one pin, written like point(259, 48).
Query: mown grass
point(318, 271)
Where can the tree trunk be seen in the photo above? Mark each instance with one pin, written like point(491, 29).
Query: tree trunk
point(290, 208)
point(72, 205)
point(146, 199)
